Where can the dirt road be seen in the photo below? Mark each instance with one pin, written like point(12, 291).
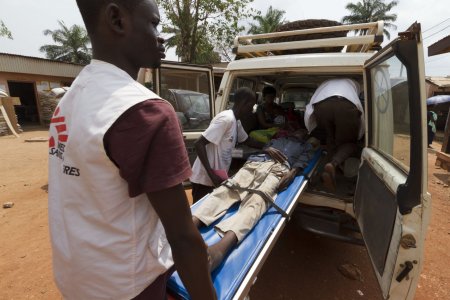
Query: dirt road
point(301, 266)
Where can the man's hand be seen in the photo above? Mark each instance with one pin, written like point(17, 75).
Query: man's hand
point(276, 154)
point(216, 179)
point(188, 247)
point(287, 179)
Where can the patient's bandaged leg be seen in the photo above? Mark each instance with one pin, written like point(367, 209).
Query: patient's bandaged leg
point(263, 176)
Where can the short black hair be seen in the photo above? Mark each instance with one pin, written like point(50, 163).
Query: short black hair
point(269, 90)
point(90, 10)
point(243, 95)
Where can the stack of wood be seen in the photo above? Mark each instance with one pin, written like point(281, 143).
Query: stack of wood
point(48, 101)
point(3, 126)
point(7, 113)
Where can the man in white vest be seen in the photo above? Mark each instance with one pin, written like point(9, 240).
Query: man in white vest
point(119, 218)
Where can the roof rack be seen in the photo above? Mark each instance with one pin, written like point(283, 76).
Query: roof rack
point(370, 40)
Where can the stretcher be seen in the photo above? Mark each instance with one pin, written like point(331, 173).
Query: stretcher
point(237, 273)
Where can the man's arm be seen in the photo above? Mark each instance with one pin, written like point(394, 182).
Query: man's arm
point(253, 143)
point(276, 154)
point(188, 248)
point(287, 179)
point(200, 148)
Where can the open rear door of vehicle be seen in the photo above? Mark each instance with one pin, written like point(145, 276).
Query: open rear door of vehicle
point(392, 205)
point(190, 90)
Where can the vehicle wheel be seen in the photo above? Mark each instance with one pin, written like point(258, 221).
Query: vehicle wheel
point(306, 24)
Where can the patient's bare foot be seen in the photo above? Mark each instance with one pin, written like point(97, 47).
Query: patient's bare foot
point(329, 177)
point(218, 251)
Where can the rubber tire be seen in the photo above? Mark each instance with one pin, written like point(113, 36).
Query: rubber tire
point(306, 24)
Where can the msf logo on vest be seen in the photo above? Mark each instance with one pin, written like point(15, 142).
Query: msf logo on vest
point(57, 144)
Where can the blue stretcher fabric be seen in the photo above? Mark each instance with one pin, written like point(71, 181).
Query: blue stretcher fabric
point(229, 275)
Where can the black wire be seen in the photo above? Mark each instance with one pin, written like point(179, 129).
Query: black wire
point(436, 25)
point(436, 32)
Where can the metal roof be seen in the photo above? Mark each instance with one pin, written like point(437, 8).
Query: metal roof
point(13, 63)
point(439, 81)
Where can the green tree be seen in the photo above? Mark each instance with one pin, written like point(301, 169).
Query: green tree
point(205, 52)
point(73, 44)
point(200, 28)
point(4, 31)
point(267, 23)
point(366, 11)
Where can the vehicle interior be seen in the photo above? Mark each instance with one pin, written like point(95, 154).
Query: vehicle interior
point(293, 93)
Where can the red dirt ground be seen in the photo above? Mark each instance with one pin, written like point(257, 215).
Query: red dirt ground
point(305, 265)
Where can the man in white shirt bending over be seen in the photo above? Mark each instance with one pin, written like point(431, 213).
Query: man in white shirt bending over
point(335, 107)
point(215, 146)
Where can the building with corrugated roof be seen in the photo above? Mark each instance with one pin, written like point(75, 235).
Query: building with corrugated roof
point(30, 79)
point(437, 85)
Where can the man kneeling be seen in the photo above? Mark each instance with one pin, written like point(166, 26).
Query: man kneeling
point(261, 177)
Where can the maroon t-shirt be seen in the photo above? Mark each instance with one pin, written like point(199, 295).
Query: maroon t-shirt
point(146, 144)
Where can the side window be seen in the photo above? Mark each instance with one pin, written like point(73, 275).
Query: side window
point(391, 132)
point(184, 89)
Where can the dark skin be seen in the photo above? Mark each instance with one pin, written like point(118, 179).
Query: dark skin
point(122, 37)
point(239, 110)
point(130, 40)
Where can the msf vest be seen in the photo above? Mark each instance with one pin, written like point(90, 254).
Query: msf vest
point(105, 244)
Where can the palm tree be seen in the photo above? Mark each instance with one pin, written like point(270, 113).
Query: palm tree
point(73, 46)
point(204, 54)
point(367, 11)
point(174, 41)
point(4, 31)
point(267, 23)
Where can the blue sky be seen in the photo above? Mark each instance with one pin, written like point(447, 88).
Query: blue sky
point(27, 19)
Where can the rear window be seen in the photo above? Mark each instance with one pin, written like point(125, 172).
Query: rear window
point(299, 96)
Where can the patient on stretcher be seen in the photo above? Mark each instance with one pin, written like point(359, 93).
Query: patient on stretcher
point(254, 186)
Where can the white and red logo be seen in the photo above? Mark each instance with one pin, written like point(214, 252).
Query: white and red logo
point(57, 144)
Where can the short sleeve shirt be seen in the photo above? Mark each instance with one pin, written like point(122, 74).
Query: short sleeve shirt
point(223, 133)
point(146, 144)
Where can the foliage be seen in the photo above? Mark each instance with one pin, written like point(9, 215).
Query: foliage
point(4, 31)
point(202, 27)
point(370, 11)
point(73, 44)
point(267, 23)
point(205, 52)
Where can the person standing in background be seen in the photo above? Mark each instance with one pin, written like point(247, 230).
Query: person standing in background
point(431, 124)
